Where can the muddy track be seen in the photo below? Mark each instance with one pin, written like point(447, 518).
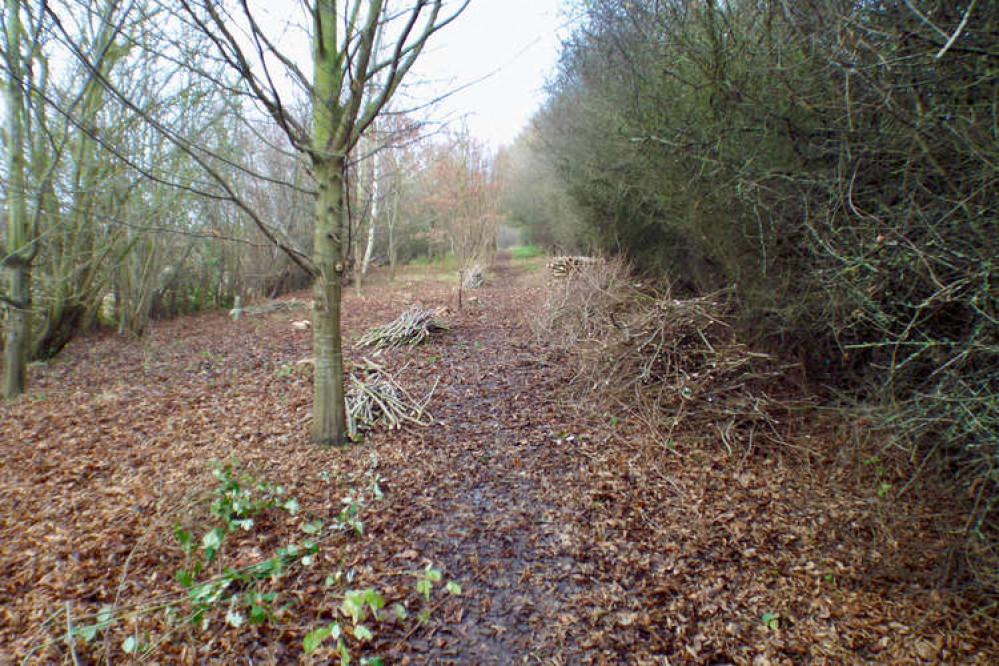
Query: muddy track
point(497, 533)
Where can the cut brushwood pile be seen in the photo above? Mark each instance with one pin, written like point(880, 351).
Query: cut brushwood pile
point(476, 277)
point(677, 358)
point(375, 397)
point(284, 305)
point(412, 327)
point(563, 266)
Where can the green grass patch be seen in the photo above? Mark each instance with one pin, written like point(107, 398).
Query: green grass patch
point(529, 257)
point(527, 251)
point(423, 269)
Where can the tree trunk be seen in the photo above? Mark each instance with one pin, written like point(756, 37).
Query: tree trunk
point(372, 212)
point(329, 419)
point(393, 220)
point(17, 330)
point(18, 327)
point(61, 326)
point(359, 205)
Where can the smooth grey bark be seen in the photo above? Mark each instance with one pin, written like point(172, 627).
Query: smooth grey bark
point(18, 258)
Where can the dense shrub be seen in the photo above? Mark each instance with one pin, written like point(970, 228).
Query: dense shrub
point(836, 164)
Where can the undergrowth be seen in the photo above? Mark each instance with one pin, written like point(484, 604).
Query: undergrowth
point(227, 583)
point(680, 366)
point(677, 362)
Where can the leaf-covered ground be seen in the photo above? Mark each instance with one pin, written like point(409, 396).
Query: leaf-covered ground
point(574, 535)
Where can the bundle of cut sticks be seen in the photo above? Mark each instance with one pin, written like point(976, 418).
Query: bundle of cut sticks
point(374, 397)
point(411, 327)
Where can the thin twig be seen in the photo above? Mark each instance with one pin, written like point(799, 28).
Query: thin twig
point(70, 640)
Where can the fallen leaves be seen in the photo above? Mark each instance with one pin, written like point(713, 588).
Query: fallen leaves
point(574, 537)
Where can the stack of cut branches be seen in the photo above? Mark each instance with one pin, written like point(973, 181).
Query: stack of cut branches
point(675, 359)
point(476, 277)
point(563, 266)
point(411, 327)
point(285, 305)
point(374, 397)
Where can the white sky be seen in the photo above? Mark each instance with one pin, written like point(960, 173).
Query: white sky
point(497, 55)
point(519, 38)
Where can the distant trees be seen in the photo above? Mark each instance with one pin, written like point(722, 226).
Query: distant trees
point(352, 79)
point(463, 191)
point(535, 199)
point(107, 217)
point(141, 197)
point(834, 164)
point(434, 196)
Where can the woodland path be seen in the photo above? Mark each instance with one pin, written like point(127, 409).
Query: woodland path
point(490, 521)
point(576, 536)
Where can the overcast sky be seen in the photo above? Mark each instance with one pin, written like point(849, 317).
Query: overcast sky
point(518, 40)
point(495, 57)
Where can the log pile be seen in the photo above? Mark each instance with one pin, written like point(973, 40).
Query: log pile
point(411, 327)
point(563, 266)
point(374, 397)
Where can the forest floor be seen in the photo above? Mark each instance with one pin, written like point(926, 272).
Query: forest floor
point(575, 536)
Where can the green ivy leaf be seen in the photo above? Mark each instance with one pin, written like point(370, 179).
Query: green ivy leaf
point(362, 633)
point(258, 614)
point(313, 527)
point(245, 524)
point(183, 537)
point(234, 618)
point(454, 588)
point(213, 539)
point(353, 605)
point(315, 638)
point(375, 600)
point(185, 578)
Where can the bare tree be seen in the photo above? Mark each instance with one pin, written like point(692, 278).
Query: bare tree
point(20, 253)
point(465, 194)
point(342, 104)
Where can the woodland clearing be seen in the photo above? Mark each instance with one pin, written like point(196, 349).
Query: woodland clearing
point(574, 535)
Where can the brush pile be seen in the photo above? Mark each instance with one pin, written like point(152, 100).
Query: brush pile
point(412, 327)
point(677, 360)
point(284, 305)
point(475, 278)
point(374, 397)
point(564, 266)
